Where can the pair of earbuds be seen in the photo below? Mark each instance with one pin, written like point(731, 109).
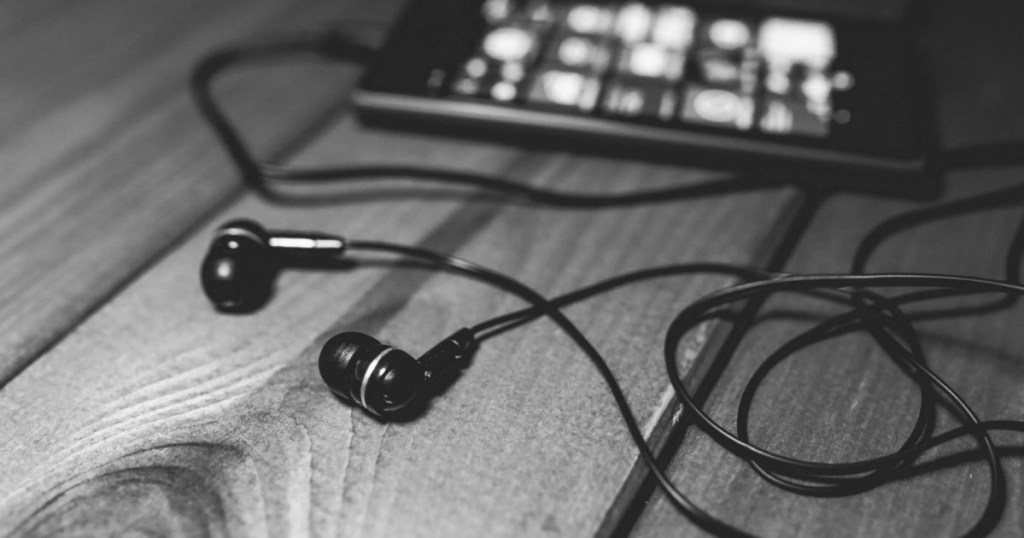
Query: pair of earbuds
point(238, 275)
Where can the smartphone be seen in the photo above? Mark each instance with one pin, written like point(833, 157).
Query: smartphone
point(774, 93)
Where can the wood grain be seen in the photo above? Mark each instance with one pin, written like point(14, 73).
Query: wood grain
point(199, 422)
point(105, 161)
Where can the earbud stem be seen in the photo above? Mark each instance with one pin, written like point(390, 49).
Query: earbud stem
point(448, 354)
point(298, 244)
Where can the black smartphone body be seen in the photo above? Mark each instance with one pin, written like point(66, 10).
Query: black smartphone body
point(784, 95)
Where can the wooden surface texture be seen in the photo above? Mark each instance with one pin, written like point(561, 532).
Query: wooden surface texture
point(105, 161)
point(128, 405)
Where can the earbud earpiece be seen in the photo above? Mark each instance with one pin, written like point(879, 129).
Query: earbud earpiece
point(239, 270)
point(384, 380)
point(369, 374)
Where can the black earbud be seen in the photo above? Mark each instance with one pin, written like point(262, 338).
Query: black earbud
point(386, 381)
point(239, 270)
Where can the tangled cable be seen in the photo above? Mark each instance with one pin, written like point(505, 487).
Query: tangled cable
point(880, 315)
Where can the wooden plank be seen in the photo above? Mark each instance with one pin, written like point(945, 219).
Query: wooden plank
point(104, 159)
point(156, 401)
point(845, 400)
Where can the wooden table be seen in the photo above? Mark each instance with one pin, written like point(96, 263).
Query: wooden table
point(129, 404)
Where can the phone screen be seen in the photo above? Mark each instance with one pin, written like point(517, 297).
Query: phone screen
point(803, 81)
